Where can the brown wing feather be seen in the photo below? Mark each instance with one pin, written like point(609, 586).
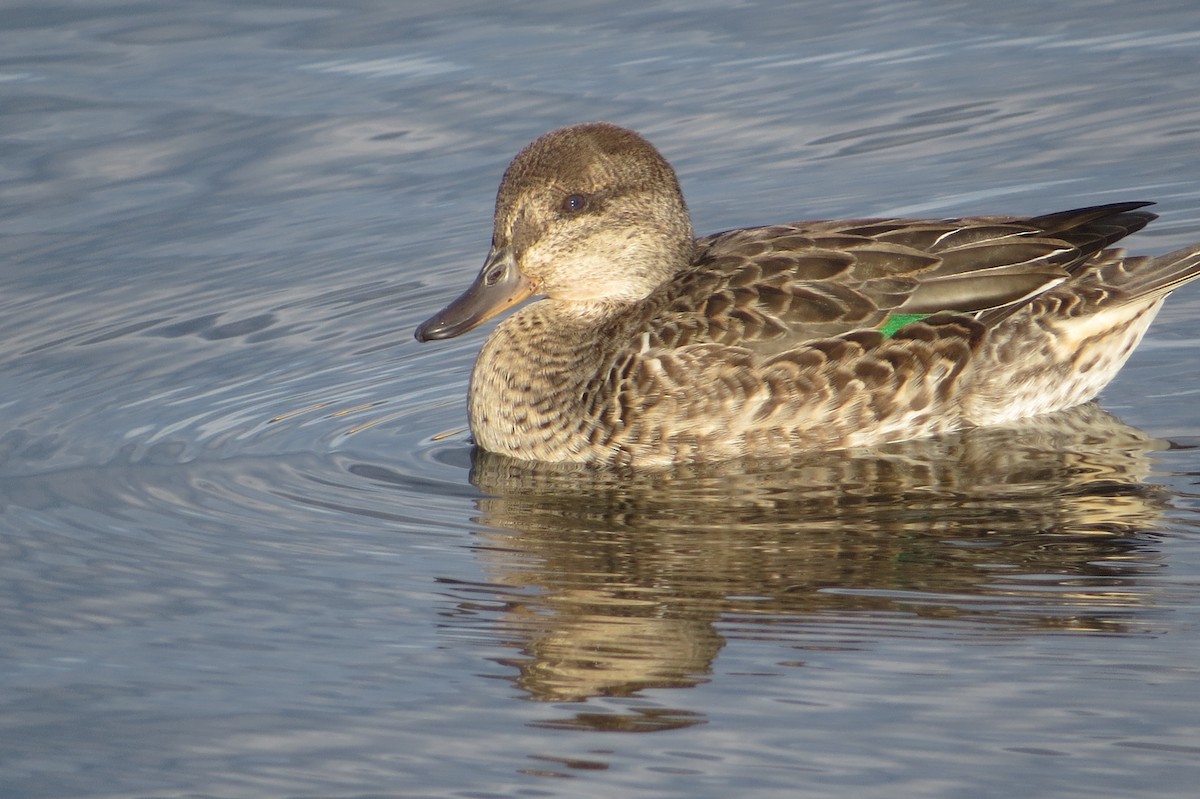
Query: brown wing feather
point(771, 288)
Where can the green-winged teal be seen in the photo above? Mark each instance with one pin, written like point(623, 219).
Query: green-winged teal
point(652, 346)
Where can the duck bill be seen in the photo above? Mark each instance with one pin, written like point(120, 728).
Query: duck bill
point(499, 286)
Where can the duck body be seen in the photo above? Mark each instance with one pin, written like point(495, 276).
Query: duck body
point(653, 347)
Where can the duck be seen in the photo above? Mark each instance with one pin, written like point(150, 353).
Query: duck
point(652, 347)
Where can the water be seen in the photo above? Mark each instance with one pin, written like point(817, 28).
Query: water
point(247, 551)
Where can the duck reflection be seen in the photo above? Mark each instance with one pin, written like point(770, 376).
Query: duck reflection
point(1043, 524)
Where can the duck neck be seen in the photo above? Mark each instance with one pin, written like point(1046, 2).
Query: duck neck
point(527, 396)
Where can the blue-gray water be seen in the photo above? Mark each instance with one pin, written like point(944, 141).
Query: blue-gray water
point(245, 550)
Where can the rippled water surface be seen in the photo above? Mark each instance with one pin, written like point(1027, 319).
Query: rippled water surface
point(246, 549)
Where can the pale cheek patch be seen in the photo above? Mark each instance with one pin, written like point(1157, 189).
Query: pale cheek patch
point(599, 268)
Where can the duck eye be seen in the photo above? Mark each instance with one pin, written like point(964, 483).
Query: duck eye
point(574, 203)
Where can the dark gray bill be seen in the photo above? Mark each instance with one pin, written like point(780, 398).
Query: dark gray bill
point(500, 285)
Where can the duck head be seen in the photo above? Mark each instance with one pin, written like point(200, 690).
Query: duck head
point(589, 216)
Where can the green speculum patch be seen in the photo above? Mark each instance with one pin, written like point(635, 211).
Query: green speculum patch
point(899, 320)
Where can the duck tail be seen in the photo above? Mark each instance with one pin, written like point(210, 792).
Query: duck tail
point(1146, 278)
